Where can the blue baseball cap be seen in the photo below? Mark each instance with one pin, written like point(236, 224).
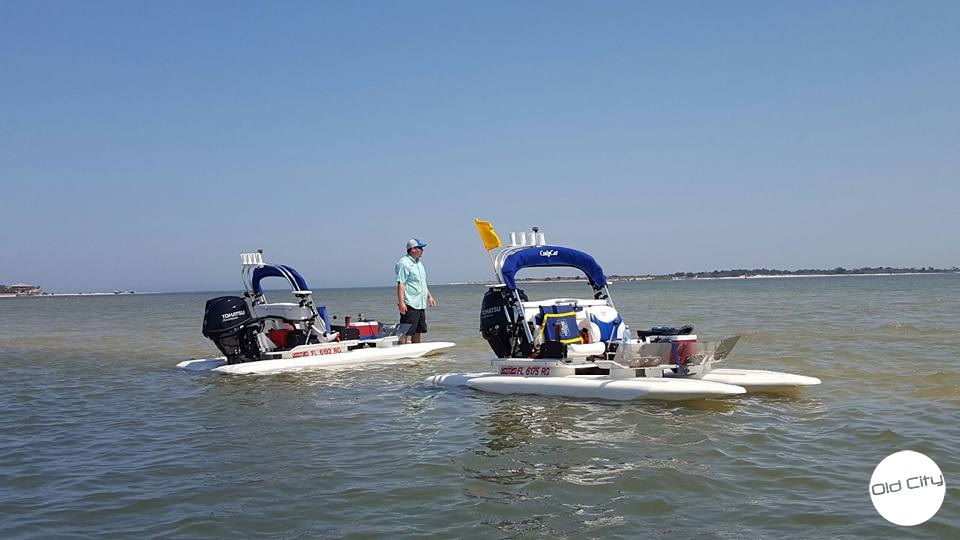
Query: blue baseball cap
point(415, 242)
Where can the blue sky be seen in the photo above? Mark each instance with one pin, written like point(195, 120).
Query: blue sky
point(145, 145)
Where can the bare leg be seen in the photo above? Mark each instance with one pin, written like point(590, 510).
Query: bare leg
point(416, 337)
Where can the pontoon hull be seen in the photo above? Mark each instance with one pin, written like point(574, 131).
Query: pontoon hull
point(356, 357)
point(757, 380)
point(590, 386)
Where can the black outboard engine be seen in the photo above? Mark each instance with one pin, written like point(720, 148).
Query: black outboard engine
point(227, 321)
point(505, 336)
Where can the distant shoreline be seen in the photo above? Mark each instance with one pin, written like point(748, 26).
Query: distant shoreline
point(122, 293)
point(614, 278)
point(703, 276)
point(46, 295)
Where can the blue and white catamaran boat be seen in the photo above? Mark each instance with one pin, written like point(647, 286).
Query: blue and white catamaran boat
point(259, 337)
point(582, 347)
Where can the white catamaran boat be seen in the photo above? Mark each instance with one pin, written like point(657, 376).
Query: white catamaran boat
point(582, 348)
point(257, 337)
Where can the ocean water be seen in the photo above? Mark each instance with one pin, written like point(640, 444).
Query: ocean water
point(101, 436)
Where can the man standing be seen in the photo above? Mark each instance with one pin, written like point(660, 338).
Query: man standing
point(413, 296)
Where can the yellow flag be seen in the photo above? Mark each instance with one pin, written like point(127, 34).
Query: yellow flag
point(487, 234)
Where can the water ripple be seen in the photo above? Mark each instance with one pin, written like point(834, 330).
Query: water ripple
point(101, 437)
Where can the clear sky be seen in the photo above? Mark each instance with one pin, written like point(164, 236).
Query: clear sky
point(144, 145)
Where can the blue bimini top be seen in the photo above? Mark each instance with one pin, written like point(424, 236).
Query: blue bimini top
point(552, 256)
point(297, 283)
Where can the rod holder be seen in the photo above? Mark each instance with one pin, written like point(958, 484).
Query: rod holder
point(252, 259)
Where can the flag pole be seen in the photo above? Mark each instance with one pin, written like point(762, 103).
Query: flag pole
point(493, 262)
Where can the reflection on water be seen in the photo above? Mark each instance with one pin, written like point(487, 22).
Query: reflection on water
point(583, 443)
point(513, 426)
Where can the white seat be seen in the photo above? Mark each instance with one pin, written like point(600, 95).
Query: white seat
point(604, 314)
point(585, 349)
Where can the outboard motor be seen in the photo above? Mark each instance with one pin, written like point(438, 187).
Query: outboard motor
point(497, 326)
point(227, 321)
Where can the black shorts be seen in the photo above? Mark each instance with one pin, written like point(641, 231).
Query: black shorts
point(417, 319)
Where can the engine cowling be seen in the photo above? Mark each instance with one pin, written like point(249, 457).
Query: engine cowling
point(227, 322)
point(498, 327)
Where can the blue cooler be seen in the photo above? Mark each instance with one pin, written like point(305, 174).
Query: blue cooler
point(564, 318)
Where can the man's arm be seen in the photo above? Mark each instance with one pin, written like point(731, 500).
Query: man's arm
point(401, 301)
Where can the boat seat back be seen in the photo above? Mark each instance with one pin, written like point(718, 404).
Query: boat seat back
point(558, 323)
point(286, 311)
point(603, 323)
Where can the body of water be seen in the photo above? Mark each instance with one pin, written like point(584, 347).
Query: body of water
point(101, 436)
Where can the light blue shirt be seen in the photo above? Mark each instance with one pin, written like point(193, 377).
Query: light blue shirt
point(413, 275)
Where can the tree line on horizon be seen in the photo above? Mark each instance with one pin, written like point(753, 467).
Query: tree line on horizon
point(6, 288)
point(743, 272)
